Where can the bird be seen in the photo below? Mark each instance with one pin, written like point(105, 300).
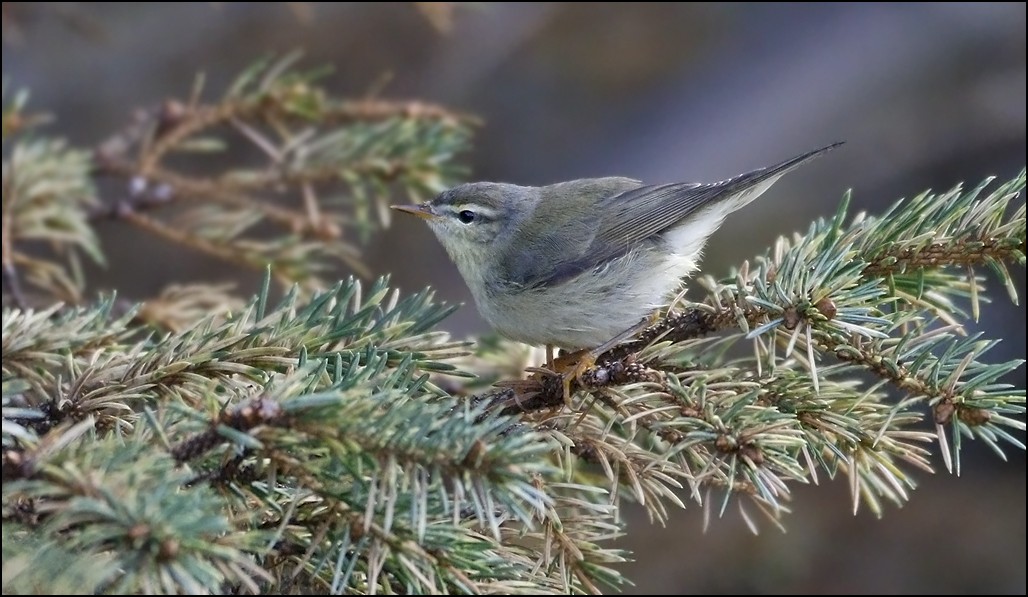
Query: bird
point(584, 263)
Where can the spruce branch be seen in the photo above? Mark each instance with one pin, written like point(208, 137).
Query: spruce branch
point(319, 153)
point(16, 120)
point(833, 293)
point(46, 192)
point(784, 294)
point(951, 229)
point(337, 441)
point(329, 170)
point(390, 484)
point(236, 353)
point(120, 505)
point(179, 306)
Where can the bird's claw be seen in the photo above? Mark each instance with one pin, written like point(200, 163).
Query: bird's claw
point(571, 367)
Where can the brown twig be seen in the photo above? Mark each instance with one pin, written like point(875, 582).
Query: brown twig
point(259, 411)
point(618, 366)
point(175, 186)
point(191, 123)
point(126, 212)
point(678, 327)
point(966, 251)
point(268, 109)
point(175, 123)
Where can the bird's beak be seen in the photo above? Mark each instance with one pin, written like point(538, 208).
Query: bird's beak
point(423, 211)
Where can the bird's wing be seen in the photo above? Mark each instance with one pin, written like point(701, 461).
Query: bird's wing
point(559, 233)
point(633, 216)
point(593, 233)
point(640, 213)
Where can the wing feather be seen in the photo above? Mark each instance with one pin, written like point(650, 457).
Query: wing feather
point(640, 213)
point(584, 233)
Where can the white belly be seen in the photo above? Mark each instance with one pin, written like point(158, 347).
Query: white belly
point(588, 310)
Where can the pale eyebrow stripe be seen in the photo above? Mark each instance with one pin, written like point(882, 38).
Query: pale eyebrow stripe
point(482, 210)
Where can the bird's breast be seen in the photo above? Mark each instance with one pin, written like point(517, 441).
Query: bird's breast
point(589, 308)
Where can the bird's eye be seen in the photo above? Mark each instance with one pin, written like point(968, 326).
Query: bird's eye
point(467, 216)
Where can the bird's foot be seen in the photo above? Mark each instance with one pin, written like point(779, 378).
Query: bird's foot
point(571, 366)
point(568, 367)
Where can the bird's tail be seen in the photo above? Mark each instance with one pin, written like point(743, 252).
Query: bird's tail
point(744, 188)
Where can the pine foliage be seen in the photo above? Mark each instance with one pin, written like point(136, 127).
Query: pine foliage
point(337, 441)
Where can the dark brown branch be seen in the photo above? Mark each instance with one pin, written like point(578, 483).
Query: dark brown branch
point(962, 252)
point(233, 471)
point(678, 327)
point(901, 377)
point(259, 411)
point(618, 365)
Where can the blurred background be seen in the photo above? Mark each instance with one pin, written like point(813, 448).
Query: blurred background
point(926, 96)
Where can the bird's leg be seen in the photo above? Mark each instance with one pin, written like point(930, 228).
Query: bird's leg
point(571, 366)
point(549, 356)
